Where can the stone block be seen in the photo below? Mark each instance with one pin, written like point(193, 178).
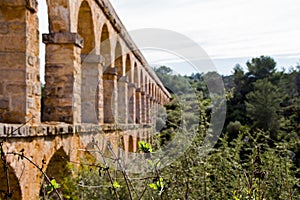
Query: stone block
point(12, 75)
point(12, 3)
point(4, 103)
point(63, 38)
point(4, 28)
point(1, 88)
point(12, 60)
point(15, 43)
point(16, 88)
point(16, 27)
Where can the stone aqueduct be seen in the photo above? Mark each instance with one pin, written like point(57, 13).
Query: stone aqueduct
point(95, 77)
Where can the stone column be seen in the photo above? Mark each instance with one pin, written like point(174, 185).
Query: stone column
point(138, 97)
point(62, 101)
point(122, 100)
point(151, 111)
point(132, 103)
point(143, 107)
point(20, 90)
point(148, 109)
point(91, 89)
point(110, 95)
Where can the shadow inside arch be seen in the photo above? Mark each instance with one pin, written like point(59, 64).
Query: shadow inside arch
point(14, 184)
point(57, 169)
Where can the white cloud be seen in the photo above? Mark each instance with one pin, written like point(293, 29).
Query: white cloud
point(231, 28)
point(227, 30)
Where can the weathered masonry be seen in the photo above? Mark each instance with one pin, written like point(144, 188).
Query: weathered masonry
point(95, 77)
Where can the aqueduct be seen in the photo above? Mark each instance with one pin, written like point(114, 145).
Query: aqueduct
point(95, 77)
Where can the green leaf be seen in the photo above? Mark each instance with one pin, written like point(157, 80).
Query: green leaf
point(55, 184)
point(145, 147)
point(153, 186)
point(51, 186)
point(116, 185)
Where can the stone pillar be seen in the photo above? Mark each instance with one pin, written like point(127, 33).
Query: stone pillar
point(151, 111)
point(138, 97)
point(62, 101)
point(132, 103)
point(122, 100)
point(110, 95)
point(143, 107)
point(148, 109)
point(20, 90)
point(91, 89)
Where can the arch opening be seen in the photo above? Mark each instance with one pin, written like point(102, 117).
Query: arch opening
point(105, 47)
point(137, 94)
point(119, 60)
point(108, 77)
point(89, 67)
point(122, 86)
point(13, 183)
point(131, 90)
point(57, 169)
point(130, 144)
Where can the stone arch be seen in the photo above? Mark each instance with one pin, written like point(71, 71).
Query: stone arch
point(13, 183)
point(85, 28)
point(89, 66)
point(137, 94)
point(128, 69)
point(122, 85)
point(108, 78)
point(136, 75)
point(59, 16)
point(149, 87)
point(131, 90)
point(143, 97)
point(142, 81)
point(57, 168)
point(105, 47)
point(119, 59)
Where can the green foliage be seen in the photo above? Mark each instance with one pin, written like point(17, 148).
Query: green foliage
point(145, 147)
point(158, 185)
point(116, 185)
point(261, 67)
point(51, 186)
point(263, 105)
point(257, 156)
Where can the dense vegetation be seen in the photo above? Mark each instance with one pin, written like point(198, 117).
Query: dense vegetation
point(256, 157)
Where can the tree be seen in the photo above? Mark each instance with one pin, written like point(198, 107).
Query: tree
point(263, 105)
point(261, 67)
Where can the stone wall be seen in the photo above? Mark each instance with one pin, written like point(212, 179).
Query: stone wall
point(96, 79)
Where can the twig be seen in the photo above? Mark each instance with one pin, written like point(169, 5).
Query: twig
point(108, 173)
point(122, 170)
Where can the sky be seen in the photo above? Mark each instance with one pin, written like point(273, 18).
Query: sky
point(230, 31)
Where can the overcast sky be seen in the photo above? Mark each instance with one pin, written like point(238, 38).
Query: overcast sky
point(230, 31)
